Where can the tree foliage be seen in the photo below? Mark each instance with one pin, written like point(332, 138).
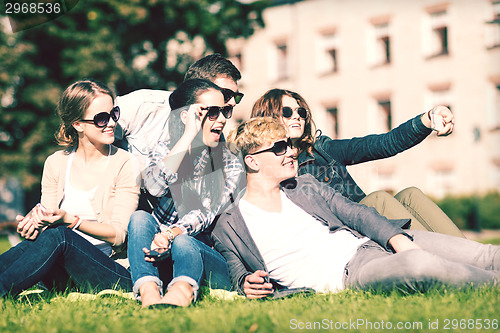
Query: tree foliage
point(120, 42)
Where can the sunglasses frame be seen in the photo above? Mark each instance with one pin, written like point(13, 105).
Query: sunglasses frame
point(298, 109)
point(226, 114)
point(273, 149)
point(113, 114)
point(228, 94)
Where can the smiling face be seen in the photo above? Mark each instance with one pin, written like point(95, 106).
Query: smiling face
point(275, 167)
point(96, 135)
point(212, 129)
point(295, 124)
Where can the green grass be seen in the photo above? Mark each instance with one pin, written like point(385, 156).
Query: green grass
point(356, 311)
point(55, 313)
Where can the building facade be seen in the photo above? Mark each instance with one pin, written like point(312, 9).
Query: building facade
point(366, 66)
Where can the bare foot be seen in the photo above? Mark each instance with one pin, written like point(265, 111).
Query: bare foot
point(180, 294)
point(150, 294)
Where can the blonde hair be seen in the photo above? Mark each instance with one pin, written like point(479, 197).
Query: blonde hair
point(73, 104)
point(255, 133)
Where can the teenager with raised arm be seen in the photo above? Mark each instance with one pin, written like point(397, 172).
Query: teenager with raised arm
point(326, 159)
point(291, 231)
point(194, 175)
point(89, 191)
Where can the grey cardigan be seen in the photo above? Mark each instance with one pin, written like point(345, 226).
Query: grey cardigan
point(233, 240)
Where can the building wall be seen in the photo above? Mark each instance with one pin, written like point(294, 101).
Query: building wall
point(415, 79)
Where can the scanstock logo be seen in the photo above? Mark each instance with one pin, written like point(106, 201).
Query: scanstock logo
point(26, 14)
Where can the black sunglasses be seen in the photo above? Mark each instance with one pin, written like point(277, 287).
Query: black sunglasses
point(214, 111)
point(288, 112)
point(102, 118)
point(228, 94)
point(279, 147)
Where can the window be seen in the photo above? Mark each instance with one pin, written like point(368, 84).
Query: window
point(379, 41)
point(385, 115)
point(437, 44)
point(382, 44)
point(282, 61)
point(493, 26)
point(495, 114)
point(333, 115)
point(328, 55)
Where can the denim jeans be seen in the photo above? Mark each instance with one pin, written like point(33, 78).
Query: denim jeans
point(56, 255)
point(443, 259)
point(192, 260)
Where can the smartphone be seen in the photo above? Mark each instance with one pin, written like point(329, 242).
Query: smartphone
point(157, 255)
point(37, 205)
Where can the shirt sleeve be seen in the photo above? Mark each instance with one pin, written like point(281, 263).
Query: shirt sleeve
point(377, 146)
point(156, 176)
point(198, 220)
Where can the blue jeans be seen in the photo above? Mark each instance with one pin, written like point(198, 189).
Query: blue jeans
point(192, 260)
point(56, 255)
point(443, 260)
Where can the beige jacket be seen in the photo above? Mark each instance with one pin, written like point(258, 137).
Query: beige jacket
point(116, 197)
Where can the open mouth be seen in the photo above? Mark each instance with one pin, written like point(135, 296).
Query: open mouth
point(217, 131)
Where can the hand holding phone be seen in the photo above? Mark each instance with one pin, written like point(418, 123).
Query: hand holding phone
point(29, 225)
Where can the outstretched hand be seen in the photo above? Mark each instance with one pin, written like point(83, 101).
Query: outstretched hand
point(442, 120)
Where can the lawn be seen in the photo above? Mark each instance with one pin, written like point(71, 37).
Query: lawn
point(348, 311)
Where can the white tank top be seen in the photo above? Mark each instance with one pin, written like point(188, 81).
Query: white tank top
point(77, 202)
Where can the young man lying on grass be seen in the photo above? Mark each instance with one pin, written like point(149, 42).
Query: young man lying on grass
point(295, 232)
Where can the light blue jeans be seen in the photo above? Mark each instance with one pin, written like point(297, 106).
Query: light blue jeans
point(193, 261)
point(443, 260)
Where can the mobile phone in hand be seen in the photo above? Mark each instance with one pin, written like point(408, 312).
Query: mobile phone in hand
point(157, 256)
point(43, 209)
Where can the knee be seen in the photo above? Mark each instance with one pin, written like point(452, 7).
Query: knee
point(420, 264)
point(409, 194)
point(182, 242)
point(140, 220)
point(56, 234)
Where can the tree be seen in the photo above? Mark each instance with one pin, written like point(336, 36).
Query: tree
point(120, 42)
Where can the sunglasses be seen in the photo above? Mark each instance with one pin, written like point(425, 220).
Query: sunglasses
point(102, 119)
point(279, 147)
point(214, 111)
point(228, 94)
point(288, 112)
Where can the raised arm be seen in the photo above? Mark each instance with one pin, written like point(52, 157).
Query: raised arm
point(378, 146)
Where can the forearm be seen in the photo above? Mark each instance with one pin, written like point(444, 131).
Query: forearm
point(102, 231)
point(174, 158)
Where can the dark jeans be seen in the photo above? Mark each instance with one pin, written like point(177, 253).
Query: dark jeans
point(55, 256)
point(443, 260)
point(193, 261)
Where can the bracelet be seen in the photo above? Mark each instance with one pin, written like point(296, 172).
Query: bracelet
point(78, 223)
point(74, 223)
point(169, 234)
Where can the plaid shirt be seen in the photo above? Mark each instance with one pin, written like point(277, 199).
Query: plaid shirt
point(158, 181)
